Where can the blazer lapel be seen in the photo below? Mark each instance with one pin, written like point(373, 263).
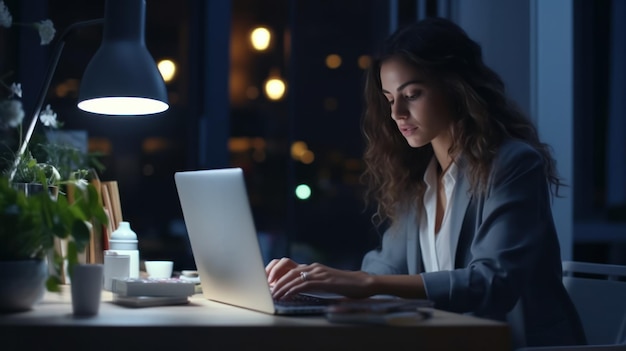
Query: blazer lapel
point(413, 253)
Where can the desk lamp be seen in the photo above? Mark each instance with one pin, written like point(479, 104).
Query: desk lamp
point(121, 78)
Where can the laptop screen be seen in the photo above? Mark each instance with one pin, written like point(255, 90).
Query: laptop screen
point(223, 237)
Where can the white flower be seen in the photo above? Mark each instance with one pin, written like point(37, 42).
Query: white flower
point(81, 184)
point(46, 31)
point(51, 172)
point(49, 117)
point(11, 113)
point(16, 89)
point(5, 16)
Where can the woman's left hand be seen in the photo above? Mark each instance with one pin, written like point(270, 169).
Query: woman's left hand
point(318, 277)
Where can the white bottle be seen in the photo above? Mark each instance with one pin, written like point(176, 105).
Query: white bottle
point(124, 242)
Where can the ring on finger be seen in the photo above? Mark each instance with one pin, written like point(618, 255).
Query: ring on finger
point(303, 276)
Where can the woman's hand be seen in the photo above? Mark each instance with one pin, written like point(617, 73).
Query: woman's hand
point(278, 268)
point(288, 277)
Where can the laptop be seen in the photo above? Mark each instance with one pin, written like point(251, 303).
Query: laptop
point(225, 245)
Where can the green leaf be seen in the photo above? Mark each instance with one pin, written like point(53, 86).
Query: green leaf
point(81, 235)
point(52, 284)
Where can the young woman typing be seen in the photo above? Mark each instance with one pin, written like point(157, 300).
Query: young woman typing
point(464, 183)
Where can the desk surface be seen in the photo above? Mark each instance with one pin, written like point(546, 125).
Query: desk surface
point(210, 325)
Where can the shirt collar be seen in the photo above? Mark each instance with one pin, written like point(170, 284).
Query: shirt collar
point(430, 176)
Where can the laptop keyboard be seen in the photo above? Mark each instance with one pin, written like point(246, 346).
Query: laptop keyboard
point(303, 300)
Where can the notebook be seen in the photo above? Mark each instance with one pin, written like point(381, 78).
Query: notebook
point(225, 246)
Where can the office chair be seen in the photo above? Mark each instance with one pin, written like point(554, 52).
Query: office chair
point(599, 293)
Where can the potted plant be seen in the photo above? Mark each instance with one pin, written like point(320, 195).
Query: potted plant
point(47, 212)
point(30, 225)
point(45, 199)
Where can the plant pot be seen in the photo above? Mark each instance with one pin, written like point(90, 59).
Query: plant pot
point(22, 284)
point(35, 188)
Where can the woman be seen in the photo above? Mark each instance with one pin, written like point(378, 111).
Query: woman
point(464, 183)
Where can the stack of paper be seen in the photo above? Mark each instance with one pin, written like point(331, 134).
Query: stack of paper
point(151, 292)
point(153, 287)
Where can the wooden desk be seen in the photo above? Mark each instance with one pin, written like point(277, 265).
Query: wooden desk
point(207, 325)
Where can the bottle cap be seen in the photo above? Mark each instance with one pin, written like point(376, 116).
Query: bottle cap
point(123, 238)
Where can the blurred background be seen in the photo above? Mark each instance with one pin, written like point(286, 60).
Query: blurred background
point(275, 87)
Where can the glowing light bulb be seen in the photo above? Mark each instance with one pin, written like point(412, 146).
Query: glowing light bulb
point(260, 38)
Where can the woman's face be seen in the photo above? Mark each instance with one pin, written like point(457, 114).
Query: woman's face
point(418, 105)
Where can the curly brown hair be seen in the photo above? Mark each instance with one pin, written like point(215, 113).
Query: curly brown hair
point(485, 117)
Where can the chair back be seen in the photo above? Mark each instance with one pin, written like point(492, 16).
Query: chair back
point(599, 294)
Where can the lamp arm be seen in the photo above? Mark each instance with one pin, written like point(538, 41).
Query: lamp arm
point(56, 54)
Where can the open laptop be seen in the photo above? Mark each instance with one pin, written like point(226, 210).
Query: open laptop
point(224, 242)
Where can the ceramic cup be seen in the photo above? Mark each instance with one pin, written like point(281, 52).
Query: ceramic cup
point(86, 287)
point(159, 269)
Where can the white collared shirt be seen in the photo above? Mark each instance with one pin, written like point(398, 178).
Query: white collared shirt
point(436, 247)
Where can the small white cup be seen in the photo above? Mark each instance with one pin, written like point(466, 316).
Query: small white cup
point(159, 269)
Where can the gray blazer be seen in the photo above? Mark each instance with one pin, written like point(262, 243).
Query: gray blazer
point(505, 252)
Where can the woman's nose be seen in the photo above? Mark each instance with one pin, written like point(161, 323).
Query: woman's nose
point(399, 111)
